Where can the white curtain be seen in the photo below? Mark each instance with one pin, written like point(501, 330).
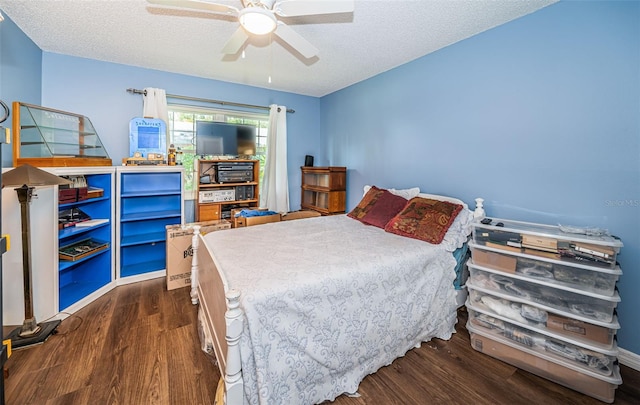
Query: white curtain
point(275, 183)
point(155, 104)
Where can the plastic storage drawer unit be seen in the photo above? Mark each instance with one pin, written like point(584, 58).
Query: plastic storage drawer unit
point(588, 305)
point(594, 335)
point(547, 241)
point(558, 371)
point(582, 277)
point(561, 349)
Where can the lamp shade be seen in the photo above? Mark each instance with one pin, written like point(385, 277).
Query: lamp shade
point(31, 176)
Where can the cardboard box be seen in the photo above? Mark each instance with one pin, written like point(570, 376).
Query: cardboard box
point(234, 211)
point(180, 251)
point(494, 260)
point(300, 215)
point(575, 328)
point(250, 221)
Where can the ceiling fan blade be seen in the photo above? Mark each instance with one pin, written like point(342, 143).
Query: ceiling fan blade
point(235, 43)
point(295, 40)
point(196, 5)
point(293, 8)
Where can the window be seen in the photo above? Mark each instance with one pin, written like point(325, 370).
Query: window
point(182, 134)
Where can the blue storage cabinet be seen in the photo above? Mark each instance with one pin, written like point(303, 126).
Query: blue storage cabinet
point(80, 278)
point(149, 199)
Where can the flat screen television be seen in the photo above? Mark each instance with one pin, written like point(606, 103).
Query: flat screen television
point(224, 139)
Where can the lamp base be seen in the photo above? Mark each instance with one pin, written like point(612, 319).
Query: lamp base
point(46, 329)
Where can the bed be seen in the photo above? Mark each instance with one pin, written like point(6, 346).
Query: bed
point(299, 312)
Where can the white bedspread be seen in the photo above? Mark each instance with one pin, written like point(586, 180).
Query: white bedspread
point(328, 301)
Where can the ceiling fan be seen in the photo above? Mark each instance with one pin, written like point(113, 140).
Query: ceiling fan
point(260, 17)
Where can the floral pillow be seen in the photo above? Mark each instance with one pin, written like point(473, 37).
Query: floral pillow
point(425, 219)
point(387, 206)
point(367, 202)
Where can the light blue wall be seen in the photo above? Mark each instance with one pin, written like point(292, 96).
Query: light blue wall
point(98, 90)
point(540, 117)
point(20, 72)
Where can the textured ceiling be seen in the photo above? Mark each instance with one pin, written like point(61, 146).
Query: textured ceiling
point(379, 35)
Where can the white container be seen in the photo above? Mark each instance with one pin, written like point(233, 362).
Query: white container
point(592, 335)
point(556, 370)
point(591, 306)
point(548, 241)
point(585, 278)
point(561, 348)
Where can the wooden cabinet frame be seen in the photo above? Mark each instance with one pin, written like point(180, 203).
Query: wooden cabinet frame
point(324, 189)
point(207, 181)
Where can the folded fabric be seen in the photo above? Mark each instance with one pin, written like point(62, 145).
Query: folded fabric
point(253, 213)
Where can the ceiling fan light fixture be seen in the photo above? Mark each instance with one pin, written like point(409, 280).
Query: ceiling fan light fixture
point(257, 20)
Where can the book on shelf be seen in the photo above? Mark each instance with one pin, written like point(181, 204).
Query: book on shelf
point(91, 222)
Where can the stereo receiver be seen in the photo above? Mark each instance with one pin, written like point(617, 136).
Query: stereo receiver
point(234, 172)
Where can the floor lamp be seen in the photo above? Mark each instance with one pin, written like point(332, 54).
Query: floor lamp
point(25, 178)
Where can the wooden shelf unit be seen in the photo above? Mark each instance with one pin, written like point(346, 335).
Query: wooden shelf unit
point(324, 189)
point(245, 193)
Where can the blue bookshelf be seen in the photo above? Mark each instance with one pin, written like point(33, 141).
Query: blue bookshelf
point(79, 278)
point(149, 199)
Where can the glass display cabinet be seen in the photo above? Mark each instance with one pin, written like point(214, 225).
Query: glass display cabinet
point(44, 137)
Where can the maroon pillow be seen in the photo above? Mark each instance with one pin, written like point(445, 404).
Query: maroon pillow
point(367, 202)
point(387, 206)
point(424, 219)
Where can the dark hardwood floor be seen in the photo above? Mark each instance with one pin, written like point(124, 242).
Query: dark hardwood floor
point(139, 344)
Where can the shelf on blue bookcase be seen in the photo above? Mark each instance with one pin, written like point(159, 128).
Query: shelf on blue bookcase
point(67, 264)
point(144, 267)
point(74, 292)
point(141, 216)
point(149, 193)
point(142, 239)
point(83, 202)
point(78, 230)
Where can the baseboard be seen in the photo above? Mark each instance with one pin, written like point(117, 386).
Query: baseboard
point(141, 277)
point(629, 359)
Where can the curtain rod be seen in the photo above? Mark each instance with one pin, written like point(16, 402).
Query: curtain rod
point(206, 100)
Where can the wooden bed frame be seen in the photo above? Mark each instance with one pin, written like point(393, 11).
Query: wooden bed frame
point(221, 312)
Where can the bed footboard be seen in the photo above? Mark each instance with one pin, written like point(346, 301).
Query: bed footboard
point(222, 315)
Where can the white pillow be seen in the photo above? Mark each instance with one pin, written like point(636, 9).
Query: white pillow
point(406, 193)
